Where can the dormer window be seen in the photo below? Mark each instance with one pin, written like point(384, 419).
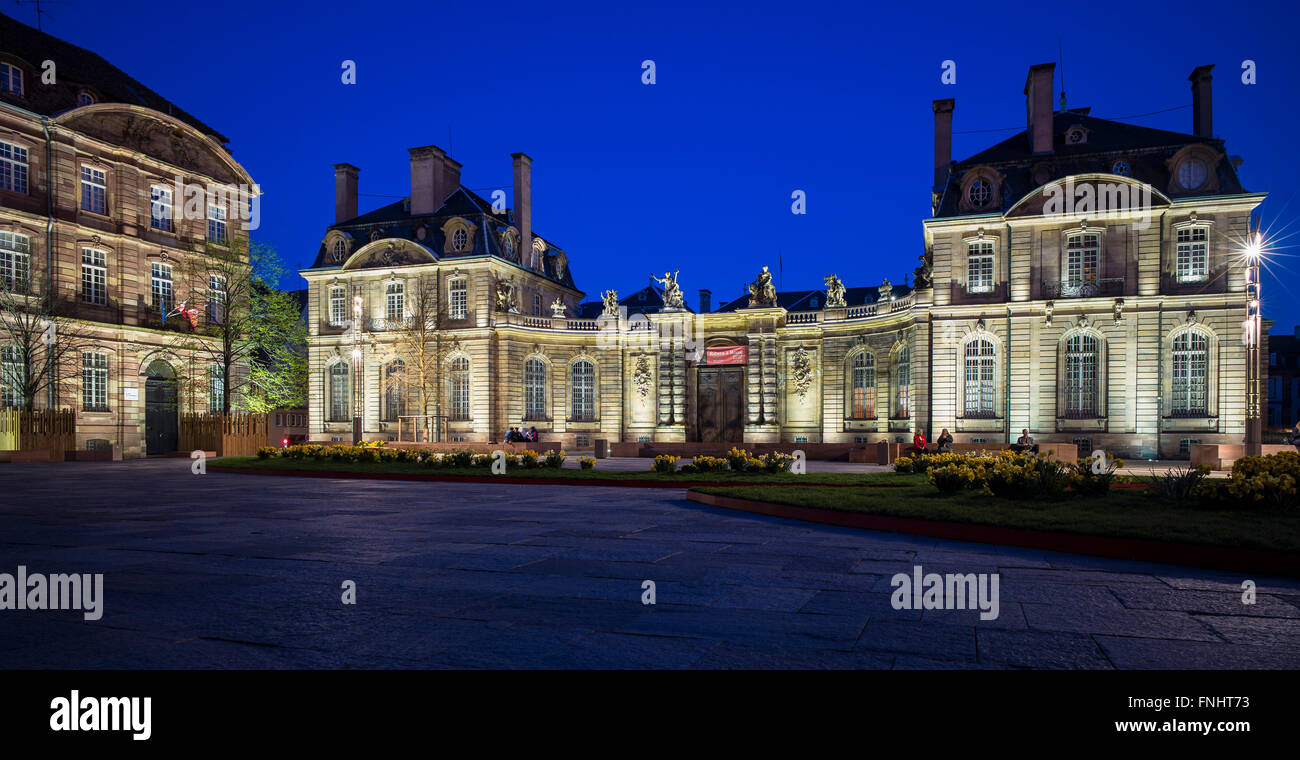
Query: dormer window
point(1121, 168)
point(84, 98)
point(457, 235)
point(339, 251)
point(980, 193)
point(11, 79)
point(1076, 135)
point(459, 240)
point(1192, 173)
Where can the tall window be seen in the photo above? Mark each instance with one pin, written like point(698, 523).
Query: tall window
point(1082, 378)
point(94, 288)
point(903, 383)
point(537, 304)
point(13, 168)
point(535, 389)
point(161, 288)
point(1193, 254)
point(94, 190)
point(160, 208)
point(1191, 375)
point(216, 389)
point(15, 261)
point(459, 300)
point(216, 223)
point(94, 381)
point(583, 377)
point(339, 389)
point(216, 299)
point(979, 267)
point(338, 306)
point(980, 376)
point(395, 390)
point(11, 78)
point(1081, 258)
point(12, 371)
point(458, 388)
point(862, 384)
point(394, 312)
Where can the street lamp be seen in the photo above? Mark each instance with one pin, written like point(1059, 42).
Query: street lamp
point(1251, 337)
point(356, 367)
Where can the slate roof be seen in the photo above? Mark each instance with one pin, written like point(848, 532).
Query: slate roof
point(815, 300)
point(647, 300)
point(1145, 149)
point(77, 68)
point(396, 221)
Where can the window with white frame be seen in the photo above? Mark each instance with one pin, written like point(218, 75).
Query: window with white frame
point(216, 299)
point(339, 392)
point(394, 307)
point(582, 375)
point(534, 389)
point(458, 388)
point(338, 306)
point(216, 389)
point(395, 390)
point(980, 378)
point(15, 262)
point(1190, 374)
point(459, 239)
point(979, 267)
point(94, 190)
point(1193, 254)
point(11, 79)
point(216, 223)
point(1082, 257)
point(903, 383)
point(862, 386)
point(161, 286)
point(13, 167)
point(94, 277)
point(459, 298)
point(12, 377)
point(94, 381)
point(1082, 378)
point(161, 208)
point(340, 250)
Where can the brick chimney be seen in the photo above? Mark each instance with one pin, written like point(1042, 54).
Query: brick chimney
point(1038, 107)
point(706, 300)
point(426, 176)
point(523, 166)
point(448, 181)
point(345, 192)
point(942, 141)
point(1202, 107)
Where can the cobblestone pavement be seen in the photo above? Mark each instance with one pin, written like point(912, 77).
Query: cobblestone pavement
point(235, 571)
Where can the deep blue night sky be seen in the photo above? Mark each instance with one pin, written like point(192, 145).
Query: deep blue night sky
point(695, 172)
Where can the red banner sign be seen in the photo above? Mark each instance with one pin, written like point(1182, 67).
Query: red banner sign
point(726, 355)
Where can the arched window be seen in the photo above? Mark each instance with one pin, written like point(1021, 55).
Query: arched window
point(862, 386)
point(583, 379)
point(338, 388)
point(534, 389)
point(1191, 375)
point(458, 388)
point(395, 390)
point(216, 389)
point(1082, 379)
point(903, 383)
point(980, 379)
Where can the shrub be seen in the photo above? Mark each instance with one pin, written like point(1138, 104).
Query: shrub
point(588, 463)
point(528, 459)
point(904, 464)
point(1085, 482)
point(687, 469)
point(459, 458)
point(1014, 475)
point(553, 460)
point(266, 452)
point(1181, 486)
point(777, 461)
point(665, 463)
point(738, 459)
point(953, 477)
point(1257, 482)
point(482, 460)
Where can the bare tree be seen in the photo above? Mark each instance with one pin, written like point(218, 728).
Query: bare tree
point(417, 345)
point(40, 343)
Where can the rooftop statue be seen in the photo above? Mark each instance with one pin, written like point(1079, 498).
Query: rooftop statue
point(672, 291)
point(834, 292)
point(761, 290)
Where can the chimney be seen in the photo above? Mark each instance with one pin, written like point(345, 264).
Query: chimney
point(706, 300)
point(449, 181)
point(942, 141)
point(345, 192)
point(523, 166)
point(1202, 108)
point(426, 177)
point(1038, 106)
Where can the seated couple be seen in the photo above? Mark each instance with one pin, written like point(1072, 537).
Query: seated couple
point(515, 435)
point(942, 444)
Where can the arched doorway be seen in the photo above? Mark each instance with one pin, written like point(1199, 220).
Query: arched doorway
point(161, 432)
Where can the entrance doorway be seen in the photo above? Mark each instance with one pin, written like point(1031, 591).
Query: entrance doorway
point(161, 429)
point(721, 401)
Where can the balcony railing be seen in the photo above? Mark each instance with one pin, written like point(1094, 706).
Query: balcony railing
point(1111, 286)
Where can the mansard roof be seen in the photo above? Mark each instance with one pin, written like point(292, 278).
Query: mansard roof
point(815, 300)
point(1146, 150)
point(647, 300)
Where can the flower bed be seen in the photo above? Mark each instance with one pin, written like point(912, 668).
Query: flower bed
point(457, 459)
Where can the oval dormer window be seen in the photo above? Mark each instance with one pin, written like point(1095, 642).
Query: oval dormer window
point(980, 193)
point(1192, 173)
point(1121, 168)
point(459, 239)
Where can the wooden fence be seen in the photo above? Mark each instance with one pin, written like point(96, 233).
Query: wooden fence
point(232, 435)
point(52, 430)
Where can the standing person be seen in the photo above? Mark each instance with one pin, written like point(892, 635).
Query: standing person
point(918, 442)
point(944, 441)
point(1025, 442)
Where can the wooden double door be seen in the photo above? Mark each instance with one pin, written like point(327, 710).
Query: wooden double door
point(720, 395)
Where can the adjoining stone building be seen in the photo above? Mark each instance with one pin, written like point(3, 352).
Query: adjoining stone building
point(90, 159)
point(1081, 279)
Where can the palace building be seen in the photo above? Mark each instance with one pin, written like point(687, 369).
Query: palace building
point(1082, 279)
point(93, 234)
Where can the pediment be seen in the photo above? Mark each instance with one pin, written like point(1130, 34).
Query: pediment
point(1089, 195)
point(390, 252)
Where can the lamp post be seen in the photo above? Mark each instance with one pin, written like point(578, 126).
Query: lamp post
point(1251, 336)
point(356, 368)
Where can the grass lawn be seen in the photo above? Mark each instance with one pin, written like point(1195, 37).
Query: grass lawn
point(1124, 513)
point(409, 468)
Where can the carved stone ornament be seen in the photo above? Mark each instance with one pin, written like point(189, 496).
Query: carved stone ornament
point(641, 377)
point(803, 372)
point(609, 300)
point(557, 308)
point(761, 290)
